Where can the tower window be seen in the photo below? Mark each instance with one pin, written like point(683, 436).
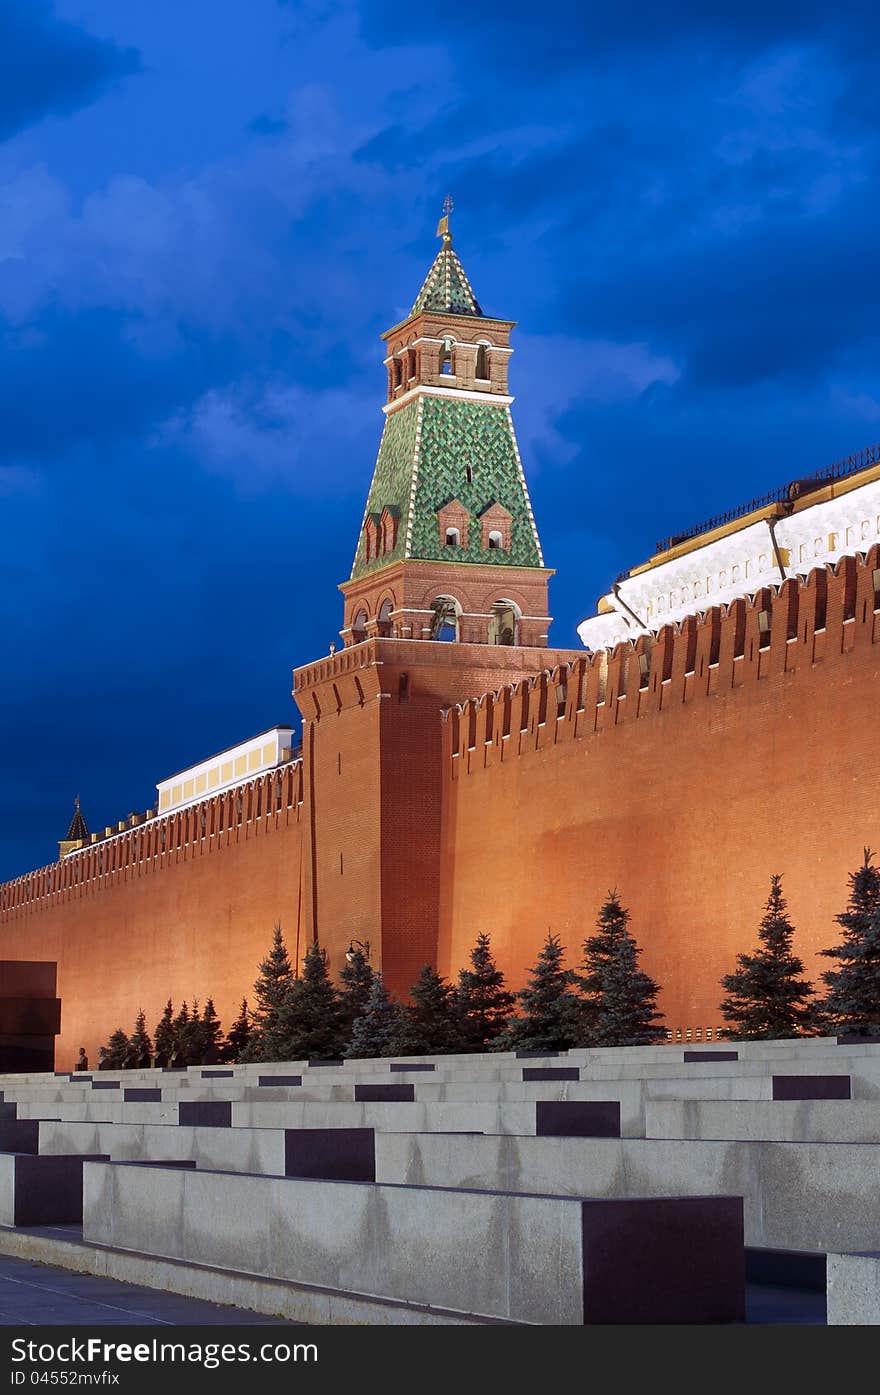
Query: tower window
point(482, 368)
point(495, 540)
point(395, 373)
point(410, 364)
point(453, 537)
point(446, 357)
point(469, 472)
point(359, 627)
point(445, 619)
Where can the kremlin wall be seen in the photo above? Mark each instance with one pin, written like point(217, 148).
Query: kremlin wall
point(457, 775)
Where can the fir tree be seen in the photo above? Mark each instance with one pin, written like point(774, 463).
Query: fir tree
point(433, 1024)
point(486, 1005)
point(379, 1025)
point(767, 995)
point(164, 1036)
point(140, 1046)
point(211, 1034)
point(308, 1021)
point(180, 1029)
point(549, 1013)
point(271, 991)
point(238, 1036)
point(852, 999)
point(619, 1007)
point(356, 977)
point(114, 1055)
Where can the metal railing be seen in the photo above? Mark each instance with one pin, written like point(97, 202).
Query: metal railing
point(787, 493)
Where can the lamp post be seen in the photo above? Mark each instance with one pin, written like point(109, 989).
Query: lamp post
point(362, 945)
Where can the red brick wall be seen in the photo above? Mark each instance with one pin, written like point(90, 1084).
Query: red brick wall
point(194, 919)
point(686, 795)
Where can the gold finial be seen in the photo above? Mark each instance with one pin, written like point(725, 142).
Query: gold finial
point(443, 225)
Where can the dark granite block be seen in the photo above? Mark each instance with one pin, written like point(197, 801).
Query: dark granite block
point(339, 1155)
point(48, 1188)
point(530, 1055)
point(137, 1094)
point(214, 1114)
point(551, 1073)
point(786, 1268)
point(19, 1136)
point(217, 1074)
point(326, 1063)
point(187, 1163)
point(403, 1066)
point(280, 1080)
point(811, 1087)
point(8, 1109)
point(106, 1085)
point(577, 1118)
point(79, 1078)
point(711, 1056)
point(371, 1094)
point(858, 1039)
point(664, 1260)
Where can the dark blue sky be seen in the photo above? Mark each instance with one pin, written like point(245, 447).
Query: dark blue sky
point(209, 211)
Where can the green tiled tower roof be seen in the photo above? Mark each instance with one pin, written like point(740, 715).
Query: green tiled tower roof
point(435, 449)
point(447, 287)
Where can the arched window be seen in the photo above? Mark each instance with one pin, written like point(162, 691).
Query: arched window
point(482, 369)
point(453, 537)
point(410, 364)
point(395, 372)
point(384, 619)
point(446, 357)
point(359, 627)
point(446, 611)
point(495, 539)
point(504, 625)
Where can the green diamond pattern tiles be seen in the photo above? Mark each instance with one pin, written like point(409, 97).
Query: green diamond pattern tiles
point(450, 449)
point(457, 435)
point(392, 483)
point(447, 287)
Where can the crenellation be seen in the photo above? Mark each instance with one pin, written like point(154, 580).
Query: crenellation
point(152, 844)
point(683, 669)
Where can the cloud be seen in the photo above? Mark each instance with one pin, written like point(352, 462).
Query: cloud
point(49, 67)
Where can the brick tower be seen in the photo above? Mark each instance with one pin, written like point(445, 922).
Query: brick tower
point(448, 551)
point(448, 543)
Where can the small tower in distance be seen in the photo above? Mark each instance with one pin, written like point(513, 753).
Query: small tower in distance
point(448, 547)
point(77, 833)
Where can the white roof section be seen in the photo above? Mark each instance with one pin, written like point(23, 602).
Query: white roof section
point(737, 565)
point(243, 762)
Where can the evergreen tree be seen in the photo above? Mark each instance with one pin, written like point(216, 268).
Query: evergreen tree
point(140, 1046)
point(378, 1028)
point(619, 1007)
point(486, 1005)
point(433, 1024)
point(308, 1020)
point(271, 991)
point(164, 1036)
point(180, 1029)
point(114, 1055)
point(852, 999)
point(549, 1012)
point(767, 995)
point(356, 977)
point(211, 1034)
point(238, 1036)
